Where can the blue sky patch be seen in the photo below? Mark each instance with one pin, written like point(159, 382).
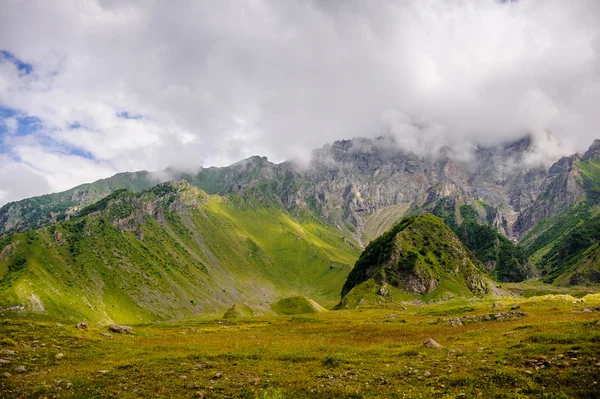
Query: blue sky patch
point(23, 67)
point(65, 149)
point(26, 124)
point(127, 115)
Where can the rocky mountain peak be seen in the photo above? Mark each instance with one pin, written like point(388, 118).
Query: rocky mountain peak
point(593, 151)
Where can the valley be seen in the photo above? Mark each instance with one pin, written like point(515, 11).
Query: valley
point(262, 280)
point(551, 351)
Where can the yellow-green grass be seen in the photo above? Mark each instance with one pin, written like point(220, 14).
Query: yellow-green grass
point(532, 288)
point(552, 352)
point(200, 260)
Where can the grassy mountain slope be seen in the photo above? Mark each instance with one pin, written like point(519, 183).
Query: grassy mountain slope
point(564, 246)
point(572, 258)
point(171, 252)
point(501, 257)
point(420, 257)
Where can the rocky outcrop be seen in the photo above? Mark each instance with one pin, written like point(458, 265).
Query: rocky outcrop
point(420, 257)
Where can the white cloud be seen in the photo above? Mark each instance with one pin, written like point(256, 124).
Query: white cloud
point(12, 124)
point(214, 82)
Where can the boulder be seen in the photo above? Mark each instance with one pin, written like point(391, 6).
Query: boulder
point(120, 329)
point(515, 306)
point(430, 343)
point(455, 322)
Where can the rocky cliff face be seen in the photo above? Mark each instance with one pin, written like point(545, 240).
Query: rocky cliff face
point(363, 185)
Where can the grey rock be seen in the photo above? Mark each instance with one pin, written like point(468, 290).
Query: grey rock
point(120, 329)
point(455, 322)
point(383, 290)
point(431, 343)
point(20, 369)
point(82, 326)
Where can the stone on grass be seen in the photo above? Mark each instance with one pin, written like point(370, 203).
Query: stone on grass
point(454, 322)
point(82, 326)
point(218, 375)
point(515, 306)
point(20, 369)
point(6, 375)
point(587, 310)
point(59, 356)
point(107, 335)
point(430, 343)
point(4, 361)
point(120, 329)
point(495, 305)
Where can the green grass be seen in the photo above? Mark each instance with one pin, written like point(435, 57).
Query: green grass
point(419, 258)
point(552, 352)
point(170, 253)
point(296, 305)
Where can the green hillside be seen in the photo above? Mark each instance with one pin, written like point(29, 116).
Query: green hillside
point(172, 252)
point(572, 258)
point(564, 247)
point(505, 261)
point(420, 257)
point(43, 210)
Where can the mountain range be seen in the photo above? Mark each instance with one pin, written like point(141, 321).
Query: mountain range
point(255, 232)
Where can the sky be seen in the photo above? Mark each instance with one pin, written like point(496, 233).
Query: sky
point(89, 88)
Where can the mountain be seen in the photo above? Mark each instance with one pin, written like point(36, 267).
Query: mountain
point(420, 257)
point(362, 187)
point(170, 252)
point(46, 209)
point(561, 243)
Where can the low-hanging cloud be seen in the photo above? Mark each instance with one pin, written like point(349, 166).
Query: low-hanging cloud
point(129, 85)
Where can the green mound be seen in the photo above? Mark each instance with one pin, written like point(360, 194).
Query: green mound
point(238, 311)
point(296, 305)
point(419, 258)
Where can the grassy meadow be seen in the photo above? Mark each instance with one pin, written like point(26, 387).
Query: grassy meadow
point(552, 351)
